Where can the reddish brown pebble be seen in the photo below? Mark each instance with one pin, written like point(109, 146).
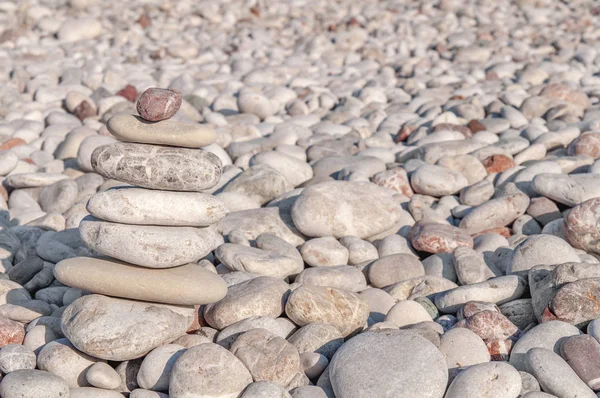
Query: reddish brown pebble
point(490, 325)
point(586, 144)
point(475, 126)
point(473, 307)
point(582, 353)
point(84, 110)
point(576, 303)
point(499, 349)
point(11, 332)
point(438, 238)
point(129, 92)
point(144, 21)
point(28, 160)
point(157, 104)
point(404, 133)
point(498, 163)
point(11, 143)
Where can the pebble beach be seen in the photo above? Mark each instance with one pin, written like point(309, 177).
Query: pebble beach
point(299, 199)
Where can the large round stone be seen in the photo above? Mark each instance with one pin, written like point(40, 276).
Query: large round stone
point(118, 329)
point(186, 285)
point(158, 167)
point(341, 208)
point(388, 363)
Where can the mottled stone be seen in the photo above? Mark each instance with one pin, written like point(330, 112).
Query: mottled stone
point(438, 238)
point(158, 167)
point(395, 179)
point(345, 310)
point(11, 332)
point(158, 104)
point(580, 226)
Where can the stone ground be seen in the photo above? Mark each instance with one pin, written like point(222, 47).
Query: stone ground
point(315, 199)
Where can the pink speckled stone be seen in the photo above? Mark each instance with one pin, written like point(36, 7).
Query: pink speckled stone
point(157, 104)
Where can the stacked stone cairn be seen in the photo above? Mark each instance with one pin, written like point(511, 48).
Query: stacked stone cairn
point(150, 233)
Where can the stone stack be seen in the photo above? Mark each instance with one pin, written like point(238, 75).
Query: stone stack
point(153, 231)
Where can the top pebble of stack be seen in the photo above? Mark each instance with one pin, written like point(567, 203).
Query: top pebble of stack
point(157, 104)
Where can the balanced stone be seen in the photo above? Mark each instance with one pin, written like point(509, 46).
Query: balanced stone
point(131, 205)
point(186, 285)
point(158, 167)
point(132, 128)
point(120, 330)
point(158, 104)
point(149, 246)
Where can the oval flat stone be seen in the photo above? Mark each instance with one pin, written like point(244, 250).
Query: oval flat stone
point(540, 249)
point(119, 329)
point(149, 246)
point(158, 167)
point(130, 205)
point(555, 375)
point(496, 290)
point(495, 213)
point(130, 128)
point(33, 180)
point(341, 208)
point(388, 363)
point(186, 285)
point(158, 104)
point(568, 189)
